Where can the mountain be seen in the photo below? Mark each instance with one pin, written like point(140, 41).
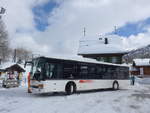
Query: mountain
point(143, 52)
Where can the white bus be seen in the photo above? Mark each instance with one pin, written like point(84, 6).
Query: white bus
point(71, 75)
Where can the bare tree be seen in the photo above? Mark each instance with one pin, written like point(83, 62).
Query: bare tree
point(21, 54)
point(4, 42)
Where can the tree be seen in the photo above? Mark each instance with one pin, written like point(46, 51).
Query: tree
point(21, 54)
point(4, 42)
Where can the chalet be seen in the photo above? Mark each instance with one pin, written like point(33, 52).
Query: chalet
point(140, 67)
point(12, 68)
point(109, 48)
point(15, 67)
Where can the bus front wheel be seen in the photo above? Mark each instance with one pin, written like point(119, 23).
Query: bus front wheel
point(115, 85)
point(70, 88)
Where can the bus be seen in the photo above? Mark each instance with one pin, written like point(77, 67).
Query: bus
point(71, 75)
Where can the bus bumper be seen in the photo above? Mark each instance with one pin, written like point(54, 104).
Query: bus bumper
point(37, 90)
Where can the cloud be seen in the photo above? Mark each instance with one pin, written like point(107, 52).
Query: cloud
point(137, 41)
point(28, 42)
point(67, 21)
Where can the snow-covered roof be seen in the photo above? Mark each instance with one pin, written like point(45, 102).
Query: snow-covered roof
point(9, 64)
point(142, 62)
point(98, 46)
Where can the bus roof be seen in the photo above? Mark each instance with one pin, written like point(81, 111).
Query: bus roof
point(81, 59)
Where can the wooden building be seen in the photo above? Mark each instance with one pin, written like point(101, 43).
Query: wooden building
point(15, 67)
point(12, 68)
point(107, 48)
point(140, 68)
point(11, 75)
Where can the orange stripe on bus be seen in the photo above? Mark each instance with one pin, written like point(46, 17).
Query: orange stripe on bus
point(85, 81)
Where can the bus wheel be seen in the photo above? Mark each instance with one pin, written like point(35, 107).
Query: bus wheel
point(4, 86)
point(70, 88)
point(115, 85)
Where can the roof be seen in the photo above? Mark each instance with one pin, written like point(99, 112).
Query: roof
point(15, 67)
point(9, 65)
point(141, 62)
point(6, 65)
point(81, 59)
point(98, 46)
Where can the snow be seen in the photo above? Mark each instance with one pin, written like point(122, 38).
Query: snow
point(135, 99)
point(97, 46)
point(145, 81)
point(142, 62)
point(6, 65)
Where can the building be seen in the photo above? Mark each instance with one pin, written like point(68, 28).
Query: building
point(11, 75)
point(11, 69)
point(140, 67)
point(15, 67)
point(108, 48)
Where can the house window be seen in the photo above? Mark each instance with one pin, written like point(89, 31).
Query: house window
point(114, 59)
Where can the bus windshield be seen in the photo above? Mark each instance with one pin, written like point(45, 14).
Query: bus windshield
point(42, 70)
point(37, 69)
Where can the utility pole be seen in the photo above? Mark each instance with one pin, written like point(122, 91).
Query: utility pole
point(2, 11)
point(15, 55)
point(84, 31)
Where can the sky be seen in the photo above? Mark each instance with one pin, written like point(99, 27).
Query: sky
point(50, 27)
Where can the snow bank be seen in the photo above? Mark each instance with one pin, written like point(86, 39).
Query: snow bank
point(142, 80)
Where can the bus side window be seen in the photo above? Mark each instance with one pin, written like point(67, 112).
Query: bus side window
point(50, 69)
point(59, 71)
point(107, 72)
point(123, 73)
point(47, 66)
point(92, 72)
point(99, 72)
point(68, 71)
point(83, 71)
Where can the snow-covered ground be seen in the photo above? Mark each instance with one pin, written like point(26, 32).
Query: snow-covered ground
point(135, 99)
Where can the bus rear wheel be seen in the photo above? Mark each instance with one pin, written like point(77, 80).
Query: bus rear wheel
point(70, 88)
point(115, 85)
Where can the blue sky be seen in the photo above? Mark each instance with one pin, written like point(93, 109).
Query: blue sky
point(133, 28)
point(41, 13)
point(35, 26)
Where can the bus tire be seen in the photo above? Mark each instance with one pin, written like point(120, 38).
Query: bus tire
point(115, 85)
point(70, 88)
point(4, 86)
